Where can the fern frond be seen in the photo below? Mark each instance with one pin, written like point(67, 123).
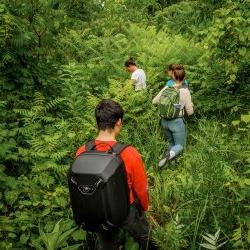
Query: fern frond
point(39, 99)
point(53, 103)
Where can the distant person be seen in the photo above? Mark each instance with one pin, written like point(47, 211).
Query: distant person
point(109, 119)
point(138, 76)
point(170, 73)
point(174, 127)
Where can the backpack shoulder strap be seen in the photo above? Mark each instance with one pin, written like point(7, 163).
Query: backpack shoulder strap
point(119, 147)
point(89, 145)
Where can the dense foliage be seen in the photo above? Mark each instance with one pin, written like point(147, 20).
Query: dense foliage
point(59, 58)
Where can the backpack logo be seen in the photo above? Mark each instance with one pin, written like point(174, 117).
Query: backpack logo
point(86, 189)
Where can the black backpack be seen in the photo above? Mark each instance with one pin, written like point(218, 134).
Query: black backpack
point(98, 188)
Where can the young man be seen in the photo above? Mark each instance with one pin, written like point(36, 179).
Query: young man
point(109, 115)
point(138, 76)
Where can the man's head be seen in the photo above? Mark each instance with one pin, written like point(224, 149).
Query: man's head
point(109, 115)
point(130, 65)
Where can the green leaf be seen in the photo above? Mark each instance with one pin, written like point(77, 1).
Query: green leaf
point(46, 211)
point(232, 77)
point(24, 238)
point(12, 235)
point(245, 118)
point(11, 197)
point(222, 244)
point(208, 246)
point(72, 247)
point(44, 237)
point(247, 181)
point(57, 227)
point(242, 51)
point(217, 234)
point(211, 241)
point(52, 240)
point(79, 235)
point(63, 237)
point(211, 236)
point(235, 123)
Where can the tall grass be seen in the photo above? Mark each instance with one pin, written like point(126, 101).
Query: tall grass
point(196, 187)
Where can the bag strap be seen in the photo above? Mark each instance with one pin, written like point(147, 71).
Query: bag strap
point(116, 148)
point(89, 145)
point(119, 147)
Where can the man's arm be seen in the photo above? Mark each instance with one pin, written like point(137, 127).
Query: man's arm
point(132, 82)
point(80, 150)
point(140, 185)
point(135, 77)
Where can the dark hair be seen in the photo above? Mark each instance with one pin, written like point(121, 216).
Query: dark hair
point(129, 62)
point(107, 113)
point(179, 73)
point(172, 67)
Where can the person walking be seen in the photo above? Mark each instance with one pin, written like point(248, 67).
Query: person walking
point(109, 119)
point(175, 129)
point(138, 76)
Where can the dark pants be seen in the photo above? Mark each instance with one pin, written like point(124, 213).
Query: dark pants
point(136, 225)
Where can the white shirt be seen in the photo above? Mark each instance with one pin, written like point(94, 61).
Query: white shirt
point(140, 79)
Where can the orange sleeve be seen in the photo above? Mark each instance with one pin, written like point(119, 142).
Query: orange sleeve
point(140, 185)
point(80, 150)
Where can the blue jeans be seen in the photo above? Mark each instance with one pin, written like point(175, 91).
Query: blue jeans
point(175, 131)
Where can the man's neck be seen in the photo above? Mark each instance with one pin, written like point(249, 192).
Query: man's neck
point(134, 69)
point(106, 135)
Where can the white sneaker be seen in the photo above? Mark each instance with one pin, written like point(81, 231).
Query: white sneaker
point(163, 161)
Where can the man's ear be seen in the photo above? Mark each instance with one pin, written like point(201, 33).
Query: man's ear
point(119, 122)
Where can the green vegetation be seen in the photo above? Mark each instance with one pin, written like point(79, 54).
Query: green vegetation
point(59, 58)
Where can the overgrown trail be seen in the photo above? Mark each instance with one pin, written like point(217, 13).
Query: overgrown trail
point(203, 191)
